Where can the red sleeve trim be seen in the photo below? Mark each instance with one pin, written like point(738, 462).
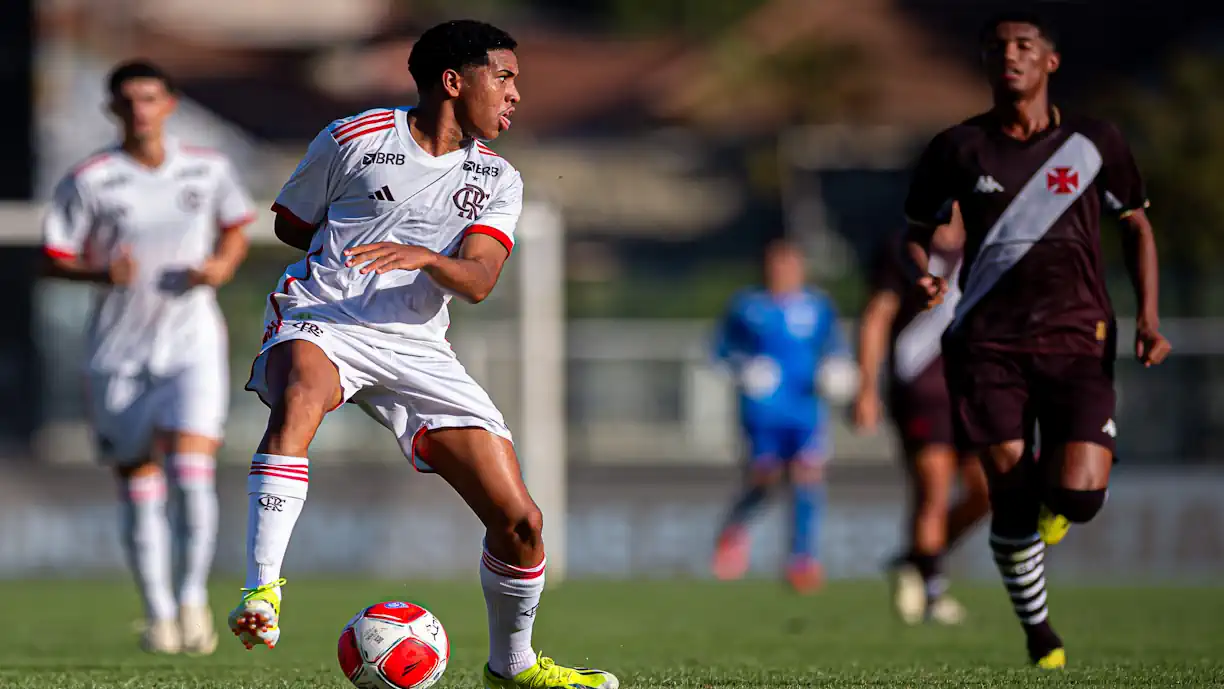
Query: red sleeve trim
point(493, 232)
point(239, 223)
point(62, 254)
point(291, 217)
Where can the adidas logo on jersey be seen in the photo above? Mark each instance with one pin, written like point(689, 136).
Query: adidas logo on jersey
point(383, 194)
point(987, 185)
point(381, 158)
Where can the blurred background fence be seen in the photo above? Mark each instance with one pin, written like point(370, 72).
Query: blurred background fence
point(674, 139)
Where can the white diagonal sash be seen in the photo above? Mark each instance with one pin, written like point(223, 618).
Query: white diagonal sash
point(1027, 219)
point(918, 343)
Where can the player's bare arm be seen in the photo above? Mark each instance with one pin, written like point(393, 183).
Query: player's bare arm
point(472, 275)
point(293, 232)
point(118, 273)
point(918, 249)
point(1139, 242)
point(874, 327)
point(219, 269)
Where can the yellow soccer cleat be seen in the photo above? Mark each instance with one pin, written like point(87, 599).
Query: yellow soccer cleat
point(256, 620)
point(1052, 527)
point(546, 674)
point(1054, 660)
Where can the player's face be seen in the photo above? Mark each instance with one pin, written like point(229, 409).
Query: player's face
point(784, 269)
point(487, 96)
point(1019, 60)
point(142, 106)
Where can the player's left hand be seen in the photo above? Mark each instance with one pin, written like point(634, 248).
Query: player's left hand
point(1151, 347)
point(383, 256)
point(213, 273)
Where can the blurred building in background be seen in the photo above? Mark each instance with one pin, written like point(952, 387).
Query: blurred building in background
point(674, 139)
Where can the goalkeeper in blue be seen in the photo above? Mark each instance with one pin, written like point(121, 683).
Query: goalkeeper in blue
point(789, 359)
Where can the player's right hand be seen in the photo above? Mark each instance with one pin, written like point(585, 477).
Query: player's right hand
point(122, 268)
point(933, 288)
point(867, 411)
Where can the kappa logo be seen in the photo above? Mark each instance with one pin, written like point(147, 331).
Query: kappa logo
point(1062, 180)
point(1110, 429)
point(381, 158)
point(987, 185)
point(470, 201)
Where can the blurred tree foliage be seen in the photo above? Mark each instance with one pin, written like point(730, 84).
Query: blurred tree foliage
point(1176, 130)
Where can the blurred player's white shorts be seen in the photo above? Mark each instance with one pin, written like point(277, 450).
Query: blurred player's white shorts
point(408, 387)
point(126, 409)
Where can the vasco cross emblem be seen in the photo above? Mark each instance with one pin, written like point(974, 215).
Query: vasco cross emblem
point(470, 200)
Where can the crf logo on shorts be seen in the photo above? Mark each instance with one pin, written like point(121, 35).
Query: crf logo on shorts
point(470, 200)
point(272, 503)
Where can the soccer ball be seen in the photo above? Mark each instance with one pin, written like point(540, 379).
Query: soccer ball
point(394, 645)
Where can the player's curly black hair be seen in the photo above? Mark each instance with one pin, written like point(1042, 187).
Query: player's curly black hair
point(137, 69)
point(454, 45)
point(1019, 16)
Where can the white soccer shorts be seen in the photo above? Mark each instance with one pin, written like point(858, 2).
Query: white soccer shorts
point(411, 389)
point(126, 409)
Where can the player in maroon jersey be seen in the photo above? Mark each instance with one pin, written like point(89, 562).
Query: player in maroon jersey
point(1033, 337)
point(896, 324)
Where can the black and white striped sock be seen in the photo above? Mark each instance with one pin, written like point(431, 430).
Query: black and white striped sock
point(1021, 561)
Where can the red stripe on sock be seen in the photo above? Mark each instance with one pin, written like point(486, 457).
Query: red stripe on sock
point(500, 568)
point(298, 469)
point(292, 477)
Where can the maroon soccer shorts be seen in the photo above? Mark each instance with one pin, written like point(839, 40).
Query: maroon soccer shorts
point(922, 411)
point(994, 392)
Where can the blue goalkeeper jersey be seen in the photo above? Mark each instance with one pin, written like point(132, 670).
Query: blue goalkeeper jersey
point(775, 345)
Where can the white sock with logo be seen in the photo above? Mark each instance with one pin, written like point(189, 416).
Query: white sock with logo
point(276, 492)
point(512, 595)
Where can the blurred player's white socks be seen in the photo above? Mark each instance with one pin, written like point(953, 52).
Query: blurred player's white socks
point(194, 474)
point(512, 595)
point(276, 492)
point(146, 538)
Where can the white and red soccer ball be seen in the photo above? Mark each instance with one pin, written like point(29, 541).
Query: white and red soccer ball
point(394, 645)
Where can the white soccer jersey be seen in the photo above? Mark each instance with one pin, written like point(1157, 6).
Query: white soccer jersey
point(169, 219)
point(364, 179)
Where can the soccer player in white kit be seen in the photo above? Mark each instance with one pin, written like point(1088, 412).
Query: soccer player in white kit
point(158, 225)
point(399, 210)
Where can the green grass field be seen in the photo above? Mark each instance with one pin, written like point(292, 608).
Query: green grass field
point(652, 634)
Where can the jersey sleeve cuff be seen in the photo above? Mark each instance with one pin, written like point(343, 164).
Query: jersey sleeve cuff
point(238, 223)
point(1128, 213)
point(493, 232)
point(60, 253)
point(292, 217)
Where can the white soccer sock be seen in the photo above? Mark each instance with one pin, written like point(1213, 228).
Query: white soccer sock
point(512, 595)
point(146, 539)
point(195, 475)
point(276, 492)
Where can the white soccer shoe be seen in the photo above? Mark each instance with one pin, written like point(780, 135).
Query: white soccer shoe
point(946, 610)
point(198, 633)
point(908, 594)
point(162, 637)
point(256, 620)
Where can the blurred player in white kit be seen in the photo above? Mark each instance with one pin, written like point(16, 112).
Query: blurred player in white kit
point(399, 209)
point(157, 225)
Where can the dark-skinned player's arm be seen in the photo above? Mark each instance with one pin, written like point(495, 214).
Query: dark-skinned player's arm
point(930, 203)
point(293, 232)
point(1143, 264)
point(66, 228)
point(1123, 192)
point(472, 274)
point(875, 327)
